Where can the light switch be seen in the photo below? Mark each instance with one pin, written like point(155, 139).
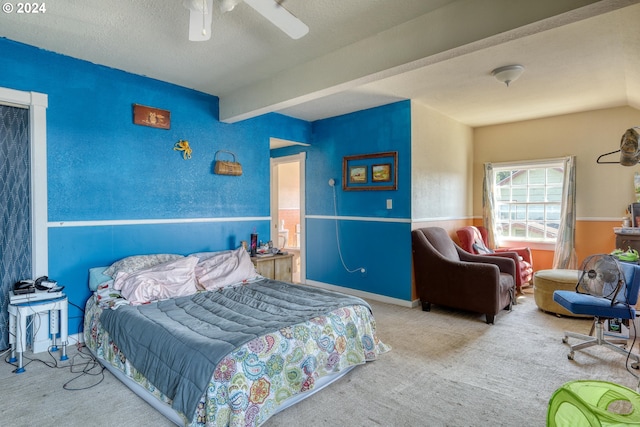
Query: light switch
point(389, 204)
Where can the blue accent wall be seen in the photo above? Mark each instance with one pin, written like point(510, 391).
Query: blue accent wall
point(382, 248)
point(102, 167)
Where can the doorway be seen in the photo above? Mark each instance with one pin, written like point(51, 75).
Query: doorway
point(287, 209)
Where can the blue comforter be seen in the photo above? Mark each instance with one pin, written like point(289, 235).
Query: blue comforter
point(176, 344)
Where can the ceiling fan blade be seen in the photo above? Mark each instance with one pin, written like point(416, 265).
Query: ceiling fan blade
point(280, 17)
point(199, 19)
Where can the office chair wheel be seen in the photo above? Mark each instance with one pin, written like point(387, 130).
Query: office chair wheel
point(565, 340)
point(635, 365)
point(570, 355)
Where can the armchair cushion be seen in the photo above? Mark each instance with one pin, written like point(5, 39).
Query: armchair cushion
point(480, 248)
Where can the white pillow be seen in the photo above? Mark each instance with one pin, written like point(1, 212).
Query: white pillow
point(139, 262)
point(224, 269)
point(206, 255)
point(168, 280)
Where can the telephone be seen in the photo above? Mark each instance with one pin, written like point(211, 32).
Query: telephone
point(30, 286)
point(44, 284)
point(24, 287)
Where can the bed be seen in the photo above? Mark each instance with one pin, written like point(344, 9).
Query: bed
point(208, 342)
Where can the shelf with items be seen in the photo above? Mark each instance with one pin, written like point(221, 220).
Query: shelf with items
point(56, 309)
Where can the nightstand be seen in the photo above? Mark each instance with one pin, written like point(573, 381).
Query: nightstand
point(275, 267)
point(58, 323)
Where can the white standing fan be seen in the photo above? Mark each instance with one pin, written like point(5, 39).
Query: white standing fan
point(201, 15)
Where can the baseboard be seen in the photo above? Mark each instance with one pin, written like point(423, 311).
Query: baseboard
point(363, 294)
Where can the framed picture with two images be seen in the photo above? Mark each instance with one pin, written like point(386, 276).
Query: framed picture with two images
point(378, 171)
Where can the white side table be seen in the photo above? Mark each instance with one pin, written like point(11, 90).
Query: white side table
point(18, 313)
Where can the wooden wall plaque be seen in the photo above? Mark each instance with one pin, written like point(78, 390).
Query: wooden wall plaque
point(153, 117)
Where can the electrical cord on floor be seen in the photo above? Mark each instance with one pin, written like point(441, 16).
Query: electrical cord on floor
point(82, 363)
point(86, 366)
point(90, 366)
point(632, 328)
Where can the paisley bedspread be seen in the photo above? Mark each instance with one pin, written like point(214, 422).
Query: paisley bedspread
point(252, 381)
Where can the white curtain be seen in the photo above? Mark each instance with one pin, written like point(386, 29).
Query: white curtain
point(565, 253)
point(488, 205)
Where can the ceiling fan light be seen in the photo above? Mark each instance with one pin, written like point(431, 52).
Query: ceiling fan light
point(228, 5)
point(508, 73)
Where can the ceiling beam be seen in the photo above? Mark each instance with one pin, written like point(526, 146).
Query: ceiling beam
point(460, 27)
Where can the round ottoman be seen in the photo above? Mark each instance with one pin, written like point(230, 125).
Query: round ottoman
point(547, 281)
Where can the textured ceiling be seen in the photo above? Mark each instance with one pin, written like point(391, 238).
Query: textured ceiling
point(578, 54)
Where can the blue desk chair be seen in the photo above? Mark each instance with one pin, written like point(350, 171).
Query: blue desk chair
point(602, 308)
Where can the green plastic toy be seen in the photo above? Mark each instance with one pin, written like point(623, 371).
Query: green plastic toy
point(630, 255)
point(589, 403)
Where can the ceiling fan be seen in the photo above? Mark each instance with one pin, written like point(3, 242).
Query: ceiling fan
point(201, 15)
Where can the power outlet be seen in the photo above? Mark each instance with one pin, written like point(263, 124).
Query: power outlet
point(389, 204)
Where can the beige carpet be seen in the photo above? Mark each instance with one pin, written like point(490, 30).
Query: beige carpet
point(446, 368)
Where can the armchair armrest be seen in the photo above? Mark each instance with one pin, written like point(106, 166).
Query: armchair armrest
point(506, 264)
point(523, 252)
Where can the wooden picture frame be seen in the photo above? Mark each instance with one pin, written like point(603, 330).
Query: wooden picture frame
point(152, 117)
point(384, 172)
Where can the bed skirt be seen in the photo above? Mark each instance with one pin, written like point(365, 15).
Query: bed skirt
point(173, 416)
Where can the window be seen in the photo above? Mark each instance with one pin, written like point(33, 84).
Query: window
point(528, 200)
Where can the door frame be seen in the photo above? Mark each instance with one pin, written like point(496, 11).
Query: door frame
point(299, 158)
point(37, 104)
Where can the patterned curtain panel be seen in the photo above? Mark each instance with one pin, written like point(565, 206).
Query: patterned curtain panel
point(488, 205)
point(565, 254)
point(15, 206)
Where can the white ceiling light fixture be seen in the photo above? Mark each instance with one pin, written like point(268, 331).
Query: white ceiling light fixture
point(228, 5)
point(508, 73)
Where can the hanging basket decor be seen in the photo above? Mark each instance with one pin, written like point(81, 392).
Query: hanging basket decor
point(226, 167)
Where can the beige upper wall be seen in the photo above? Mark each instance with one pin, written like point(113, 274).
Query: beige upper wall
point(602, 191)
point(442, 161)
point(289, 185)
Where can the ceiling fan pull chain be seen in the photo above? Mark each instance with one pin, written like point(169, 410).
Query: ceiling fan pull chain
point(204, 23)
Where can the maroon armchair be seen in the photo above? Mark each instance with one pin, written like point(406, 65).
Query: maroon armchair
point(474, 240)
point(446, 275)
